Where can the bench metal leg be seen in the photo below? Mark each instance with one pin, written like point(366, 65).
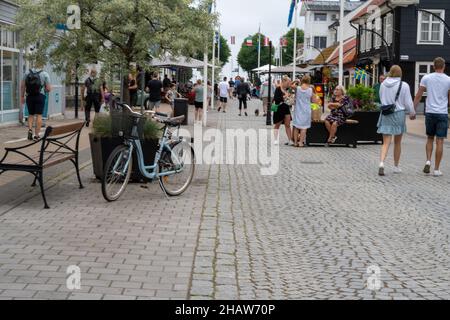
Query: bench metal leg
point(75, 163)
point(35, 179)
point(41, 184)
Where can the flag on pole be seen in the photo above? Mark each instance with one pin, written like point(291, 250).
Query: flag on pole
point(249, 42)
point(283, 42)
point(233, 40)
point(291, 12)
point(266, 41)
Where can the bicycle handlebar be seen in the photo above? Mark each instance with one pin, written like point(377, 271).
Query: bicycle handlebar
point(123, 105)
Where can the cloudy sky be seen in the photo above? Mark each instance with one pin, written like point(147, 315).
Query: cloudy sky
point(241, 18)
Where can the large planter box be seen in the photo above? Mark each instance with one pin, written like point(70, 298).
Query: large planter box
point(102, 147)
point(318, 134)
point(367, 129)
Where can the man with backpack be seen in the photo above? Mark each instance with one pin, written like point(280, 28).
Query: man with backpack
point(34, 85)
point(94, 95)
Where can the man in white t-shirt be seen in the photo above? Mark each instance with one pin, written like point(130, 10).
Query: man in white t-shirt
point(224, 94)
point(437, 86)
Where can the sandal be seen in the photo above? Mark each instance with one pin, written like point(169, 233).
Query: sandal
point(333, 140)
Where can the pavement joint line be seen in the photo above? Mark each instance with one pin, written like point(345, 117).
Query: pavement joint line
point(48, 185)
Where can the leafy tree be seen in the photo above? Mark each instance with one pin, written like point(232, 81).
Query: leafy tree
point(115, 32)
point(288, 51)
point(248, 56)
point(225, 52)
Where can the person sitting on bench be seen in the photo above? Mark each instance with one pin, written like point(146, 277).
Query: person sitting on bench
point(339, 113)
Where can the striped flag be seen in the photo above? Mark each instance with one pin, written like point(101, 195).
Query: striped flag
point(291, 11)
point(233, 40)
point(266, 41)
point(283, 42)
point(249, 42)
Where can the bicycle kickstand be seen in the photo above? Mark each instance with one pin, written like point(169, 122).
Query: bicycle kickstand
point(162, 188)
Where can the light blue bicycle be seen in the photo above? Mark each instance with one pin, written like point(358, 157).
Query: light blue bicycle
point(173, 166)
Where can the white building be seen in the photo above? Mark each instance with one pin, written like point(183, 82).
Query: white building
point(319, 16)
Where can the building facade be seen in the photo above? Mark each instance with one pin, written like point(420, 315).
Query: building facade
point(411, 38)
point(13, 67)
point(319, 16)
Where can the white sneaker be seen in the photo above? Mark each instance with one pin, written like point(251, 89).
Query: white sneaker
point(397, 170)
point(437, 173)
point(276, 142)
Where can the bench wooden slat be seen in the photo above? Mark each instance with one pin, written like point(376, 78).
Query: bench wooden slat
point(67, 128)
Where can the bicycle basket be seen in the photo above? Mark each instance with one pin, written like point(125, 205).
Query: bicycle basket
point(122, 123)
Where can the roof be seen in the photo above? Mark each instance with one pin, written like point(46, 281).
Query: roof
point(329, 6)
point(323, 57)
point(179, 62)
point(365, 10)
point(349, 52)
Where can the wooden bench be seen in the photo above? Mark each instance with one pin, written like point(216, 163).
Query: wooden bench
point(346, 134)
point(59, 144)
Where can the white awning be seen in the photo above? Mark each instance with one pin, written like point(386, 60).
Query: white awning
point(179, 62)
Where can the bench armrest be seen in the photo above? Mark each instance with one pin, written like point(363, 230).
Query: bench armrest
point(23, 147)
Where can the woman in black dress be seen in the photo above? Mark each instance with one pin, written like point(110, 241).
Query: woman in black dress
point(132, 89)
point(283, 113)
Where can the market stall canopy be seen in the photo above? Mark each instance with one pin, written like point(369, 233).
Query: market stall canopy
point(323, 56)
point(261, 69)
point(349, 53)
point(179, 62)
point(289, 69)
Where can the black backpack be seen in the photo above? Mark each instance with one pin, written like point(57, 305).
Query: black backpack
point(33, 83)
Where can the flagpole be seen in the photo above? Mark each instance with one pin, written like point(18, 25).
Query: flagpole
point(259, 50)
point(341, 45)
point(295, 42)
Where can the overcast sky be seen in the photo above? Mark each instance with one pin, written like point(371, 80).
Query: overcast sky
point(241, 18)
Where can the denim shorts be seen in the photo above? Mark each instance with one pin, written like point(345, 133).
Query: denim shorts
point(436, 125)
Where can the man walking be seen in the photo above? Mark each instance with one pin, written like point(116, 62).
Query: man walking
point(265, 95)
point(243, 90)
point(154, 87)
point(437, 86)
point(94, 95)
point(224, 94)
point(35, 84)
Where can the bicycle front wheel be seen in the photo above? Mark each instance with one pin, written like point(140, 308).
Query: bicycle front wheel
point(116, 173)
point(182, 159)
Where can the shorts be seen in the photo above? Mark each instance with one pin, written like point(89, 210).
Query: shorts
point(35, 104)
point(223, 99)
point(154, 104)
point(436, 125)
point(198, 105)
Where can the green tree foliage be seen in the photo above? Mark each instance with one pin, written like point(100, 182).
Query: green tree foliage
point(288, 51)
point(248, 56)
point(225, 52)
point(114, 31)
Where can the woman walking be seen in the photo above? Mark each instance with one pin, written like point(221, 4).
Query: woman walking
point(198, 90)
point(282, 115)
point(302, 112)
point(339, 113)
point(395, 96)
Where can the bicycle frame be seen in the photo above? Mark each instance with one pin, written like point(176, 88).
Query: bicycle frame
point(150, 172)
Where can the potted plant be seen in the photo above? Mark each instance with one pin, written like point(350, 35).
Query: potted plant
point(103, 143)
point(366, 113)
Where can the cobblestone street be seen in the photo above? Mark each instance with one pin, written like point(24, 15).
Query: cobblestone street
point(309, 232)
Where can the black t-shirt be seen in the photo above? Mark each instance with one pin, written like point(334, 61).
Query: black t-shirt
point(166, 82)
point(155, 87)
point(278, 97)
point(131, 84)
point(243, 89)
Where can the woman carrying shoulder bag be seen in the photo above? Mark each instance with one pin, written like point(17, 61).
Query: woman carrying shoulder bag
point(395, 96)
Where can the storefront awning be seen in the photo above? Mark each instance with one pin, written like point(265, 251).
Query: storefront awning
point(179, 62)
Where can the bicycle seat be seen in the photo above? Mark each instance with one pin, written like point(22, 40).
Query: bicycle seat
point(173, 121)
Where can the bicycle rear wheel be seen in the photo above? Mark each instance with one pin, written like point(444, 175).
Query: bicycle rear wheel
point(181, 158)
point(116, 173)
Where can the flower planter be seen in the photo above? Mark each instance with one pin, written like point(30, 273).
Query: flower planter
point(367, 129)
point(102, 147)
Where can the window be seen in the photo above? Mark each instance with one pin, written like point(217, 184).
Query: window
point(322, 17)
point(388, 28)
point(422, 69)
point(320, 42)
point(362, 42)
point(430, 29)
point(334, 17)
point(369, 36)
point(378, 27)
